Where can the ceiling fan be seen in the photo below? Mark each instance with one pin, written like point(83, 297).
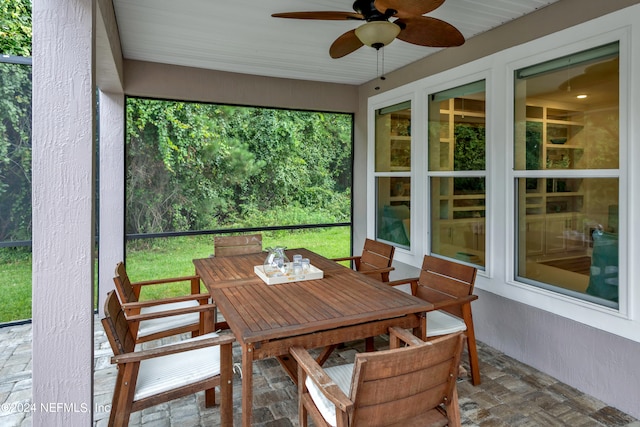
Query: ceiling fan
point(409, 25)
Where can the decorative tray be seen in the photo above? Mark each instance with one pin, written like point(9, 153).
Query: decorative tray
point(313, 274)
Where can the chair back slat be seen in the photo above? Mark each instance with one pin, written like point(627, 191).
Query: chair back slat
point(444, 284)
point(376, 255)
point(395, 385)
point(237, 245)
point(461, 272)
point(126, 291)
point(442, 280)
point(116, 326)
point(407, 385)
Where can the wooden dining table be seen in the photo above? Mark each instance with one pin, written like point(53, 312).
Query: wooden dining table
point(267, 320)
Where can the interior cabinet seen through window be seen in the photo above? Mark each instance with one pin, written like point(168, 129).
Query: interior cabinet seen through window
point(566, 157)
point(393, 174)
point(457, 142)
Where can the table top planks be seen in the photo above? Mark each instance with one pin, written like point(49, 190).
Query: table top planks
point(234, 270)
point(258, 312)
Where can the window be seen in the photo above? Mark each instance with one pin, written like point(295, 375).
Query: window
point(393, 174)
point(567, 174)
point(457, 132)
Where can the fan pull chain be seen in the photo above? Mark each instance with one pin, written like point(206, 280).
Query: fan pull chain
point(379, 73)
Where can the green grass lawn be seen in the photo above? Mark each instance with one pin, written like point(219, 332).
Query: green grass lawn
point(15, 289)
point(165, 257)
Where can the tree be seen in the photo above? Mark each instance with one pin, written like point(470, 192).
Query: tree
point(201, 166)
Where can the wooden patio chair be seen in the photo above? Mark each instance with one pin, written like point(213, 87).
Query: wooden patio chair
point(449, 287)
point(150, 377)
point(186, 316)
point(224, 246)
point(409, 386)
point(237, 245)
point(375, 261)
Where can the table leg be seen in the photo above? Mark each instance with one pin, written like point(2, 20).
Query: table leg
point(324, 355)
point(290, 366)
point(207, 323)
point(247, 384)
point(421, 330)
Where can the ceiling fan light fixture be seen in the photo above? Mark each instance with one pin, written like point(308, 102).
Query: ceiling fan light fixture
point(377, 34)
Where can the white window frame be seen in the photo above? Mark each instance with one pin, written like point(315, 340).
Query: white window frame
point(623, 27)
point(451, 84)
point(401, 254)
point(567, 306)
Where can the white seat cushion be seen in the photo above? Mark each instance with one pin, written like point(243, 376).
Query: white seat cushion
point(175, 370)
point(341, 375)
point(152, 326)
point(442, 323)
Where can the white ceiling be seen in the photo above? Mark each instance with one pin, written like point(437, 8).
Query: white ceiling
point(241, 36)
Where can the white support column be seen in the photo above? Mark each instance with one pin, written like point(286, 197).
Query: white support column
point(63, 211)
point(111, 201)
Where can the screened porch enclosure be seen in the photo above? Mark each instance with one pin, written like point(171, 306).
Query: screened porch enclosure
point(562, 338)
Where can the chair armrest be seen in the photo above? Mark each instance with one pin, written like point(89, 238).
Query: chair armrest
point(167, 280)
point(182, 346)
point(169, 313)
point(454, 301)
point(397, 335)
point(325, 384)
point(403, 281)
point(162, 301)
point(377, 270)
point(346, 258)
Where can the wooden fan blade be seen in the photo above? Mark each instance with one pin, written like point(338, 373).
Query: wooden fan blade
point(432, 32)
point(345, 44)
point(408, 8)
point(325, 15)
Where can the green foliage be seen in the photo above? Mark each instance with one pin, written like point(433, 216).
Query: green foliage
point(15, 27)
point(15, 254)
point(469, 150)
point(469, 155)
point(201, 166)
point(533, 149)
point(180, 170)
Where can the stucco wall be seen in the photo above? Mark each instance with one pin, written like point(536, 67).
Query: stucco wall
point(599, 363)
point(149, 79)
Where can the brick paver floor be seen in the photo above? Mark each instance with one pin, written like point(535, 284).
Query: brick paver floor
point(511, 393)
